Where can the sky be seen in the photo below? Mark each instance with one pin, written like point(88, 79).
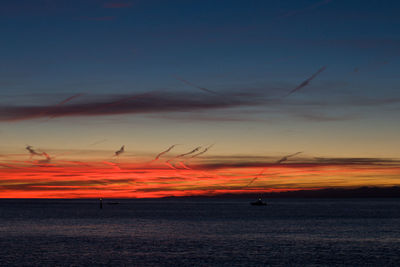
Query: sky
point(244, 84)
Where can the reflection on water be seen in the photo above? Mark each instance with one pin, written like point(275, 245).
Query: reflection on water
point(207, 232)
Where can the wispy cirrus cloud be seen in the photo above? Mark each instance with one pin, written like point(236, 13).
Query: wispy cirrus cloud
point(306, 82)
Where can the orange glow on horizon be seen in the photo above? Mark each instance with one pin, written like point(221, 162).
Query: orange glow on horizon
point(131, 179)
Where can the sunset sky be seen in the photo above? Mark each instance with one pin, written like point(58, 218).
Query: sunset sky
point(245, 82)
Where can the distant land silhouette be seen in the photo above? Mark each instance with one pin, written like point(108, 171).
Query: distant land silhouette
point(361, 192)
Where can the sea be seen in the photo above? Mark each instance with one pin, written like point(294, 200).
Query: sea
point(205, 232)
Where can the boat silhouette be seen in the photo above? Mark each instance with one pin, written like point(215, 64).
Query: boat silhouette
point(259, 202)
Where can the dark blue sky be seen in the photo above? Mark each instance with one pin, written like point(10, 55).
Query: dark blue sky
point(97, 46)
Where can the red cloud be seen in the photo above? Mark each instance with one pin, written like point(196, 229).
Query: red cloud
point(138, 179)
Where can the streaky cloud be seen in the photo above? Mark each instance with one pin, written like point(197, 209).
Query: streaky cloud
point(202, 152)
point(120, 151)
point(189, 106)
point(150, 102)
point(188, 153)
point(285, 158)
point(184, 165)
point(164, 152)
point(32, 151)
point(69, 99)
point(196, 86)
point(306, 82)
point(255, 178)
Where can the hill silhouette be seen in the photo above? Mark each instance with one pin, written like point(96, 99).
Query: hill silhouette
point(361, 192)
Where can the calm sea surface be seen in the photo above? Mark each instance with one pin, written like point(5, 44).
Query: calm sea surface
point(296, 232)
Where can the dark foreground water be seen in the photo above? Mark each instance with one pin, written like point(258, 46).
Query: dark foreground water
point(360, 232)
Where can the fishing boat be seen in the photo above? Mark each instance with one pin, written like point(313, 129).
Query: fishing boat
point(259, 202)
